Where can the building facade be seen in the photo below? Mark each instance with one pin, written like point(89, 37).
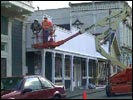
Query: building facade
point(13, 16)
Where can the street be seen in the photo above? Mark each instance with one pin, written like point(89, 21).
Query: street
point(102, 95)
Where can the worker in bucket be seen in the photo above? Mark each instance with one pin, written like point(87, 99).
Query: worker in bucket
point(47, 27)
point(36, 28)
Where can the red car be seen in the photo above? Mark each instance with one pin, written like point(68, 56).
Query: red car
point(30, 87)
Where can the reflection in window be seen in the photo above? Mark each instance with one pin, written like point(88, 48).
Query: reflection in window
point(46, 83)
point(33, 83)
point(11, 83)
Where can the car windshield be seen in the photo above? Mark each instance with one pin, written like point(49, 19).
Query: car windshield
point(11, 83)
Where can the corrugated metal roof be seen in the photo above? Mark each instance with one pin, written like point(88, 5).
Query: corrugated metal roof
point(82, 44)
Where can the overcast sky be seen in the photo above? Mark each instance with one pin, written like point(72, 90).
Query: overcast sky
point(43, 5)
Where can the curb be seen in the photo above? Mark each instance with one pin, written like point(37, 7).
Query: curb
point(86, 93)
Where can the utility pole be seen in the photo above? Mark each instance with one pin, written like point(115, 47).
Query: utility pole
point(109, 47)
point(94, 15)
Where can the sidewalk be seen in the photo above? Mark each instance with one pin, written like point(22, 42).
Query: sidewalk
point(79, 91)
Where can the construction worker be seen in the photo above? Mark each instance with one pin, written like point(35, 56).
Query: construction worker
point(47, 27)
point(36, 28)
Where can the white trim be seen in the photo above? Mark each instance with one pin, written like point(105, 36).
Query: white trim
point(4, 55)
point(23, 50)
point(21, 5)
point(63, 68)
point(67, 78)
point(63, 52)
point(9, 59)
point(70, 53)
point(4, 38)
point(87, 72)
point(43, 54)
point(58, 78)
point(71, 73)
point(53, 67)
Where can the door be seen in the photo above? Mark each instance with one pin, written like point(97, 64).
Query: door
point(37, 91)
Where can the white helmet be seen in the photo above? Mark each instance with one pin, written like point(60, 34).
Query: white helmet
point(36, 20)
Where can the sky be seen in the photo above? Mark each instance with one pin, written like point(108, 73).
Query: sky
point(43, 5)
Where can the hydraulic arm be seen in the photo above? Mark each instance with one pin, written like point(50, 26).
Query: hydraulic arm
point(119, 16)
point(120, 82)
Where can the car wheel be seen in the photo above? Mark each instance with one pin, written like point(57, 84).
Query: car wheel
point(108, 91)
point(57, 97)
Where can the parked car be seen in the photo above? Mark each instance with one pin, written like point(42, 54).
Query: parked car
point(30, 87)
point(91, 86)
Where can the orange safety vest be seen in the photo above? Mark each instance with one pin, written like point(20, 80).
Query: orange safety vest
point(46, 24)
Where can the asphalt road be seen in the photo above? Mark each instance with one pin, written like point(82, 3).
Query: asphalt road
point(102, 95)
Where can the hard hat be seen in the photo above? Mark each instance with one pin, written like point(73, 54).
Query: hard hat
point(36, 20)
point(45, 17)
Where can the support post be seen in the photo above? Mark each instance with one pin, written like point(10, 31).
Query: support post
point(87, 73)
point(53, 67)
point(71, 67)
point(109, 47)
point(63, 69)
point(43, 53)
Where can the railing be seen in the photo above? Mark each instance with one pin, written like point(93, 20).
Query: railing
point(38, 38)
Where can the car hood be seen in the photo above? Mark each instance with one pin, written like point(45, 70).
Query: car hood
point(8, 92)
point(59, 85)
point(3, 92)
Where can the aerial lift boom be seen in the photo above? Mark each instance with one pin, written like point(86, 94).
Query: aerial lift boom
point(120, 82)
point(52, 43)
point(119, 16)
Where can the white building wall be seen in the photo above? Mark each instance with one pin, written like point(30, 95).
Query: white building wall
point(7, 39)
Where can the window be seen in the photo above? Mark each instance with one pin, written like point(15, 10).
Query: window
point(3, 46)
point(4, 25)
point(83, 68)
point(67, 67)
point(33, 83)
point(11, 83)
point(46, 84)
point(58, 67)
point(90, 68)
